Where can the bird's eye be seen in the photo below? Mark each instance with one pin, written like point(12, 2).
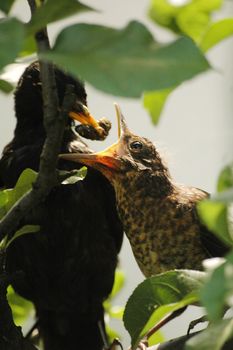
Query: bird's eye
point(136, 145)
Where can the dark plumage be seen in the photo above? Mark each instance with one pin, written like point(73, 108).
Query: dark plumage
point(69, 264)
point(158, 215)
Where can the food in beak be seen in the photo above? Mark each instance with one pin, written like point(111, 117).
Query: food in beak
point(90, 127)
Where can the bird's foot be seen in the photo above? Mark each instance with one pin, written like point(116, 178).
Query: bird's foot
point(193, 323)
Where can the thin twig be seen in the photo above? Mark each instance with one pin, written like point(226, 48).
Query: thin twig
point(163, 322)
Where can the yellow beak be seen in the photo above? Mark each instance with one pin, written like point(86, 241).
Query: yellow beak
point(84, 118)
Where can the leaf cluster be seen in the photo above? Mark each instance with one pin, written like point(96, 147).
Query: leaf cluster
point(193, 19)
point(130, 62)
point(124, 62)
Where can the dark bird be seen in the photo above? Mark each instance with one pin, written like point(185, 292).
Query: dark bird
point(159, 216)
point(68, 266)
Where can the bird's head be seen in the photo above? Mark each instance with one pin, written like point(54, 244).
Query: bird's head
point(131, 154)
point(28, 94)
point(29, 102)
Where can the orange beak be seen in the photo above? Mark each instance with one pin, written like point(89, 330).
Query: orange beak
point(107, 161)
point(84, 117)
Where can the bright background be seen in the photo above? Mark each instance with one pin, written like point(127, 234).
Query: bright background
point(195, 131)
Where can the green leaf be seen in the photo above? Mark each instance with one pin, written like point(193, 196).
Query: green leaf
point(24, 230)
point(218, 290)
point(164, 13)
point(154, 102)
point(125, 62)
point(225, 179)
point(224, 197)
point(78, 176)
point(119, 282)
point(11, 40)
point(24, 184)
point(5, 86)
point(5, 5)
point(50, 12)
point(116, 311)
point(156, 297)
point(21, 308)
point(3, 203)
point(216, 33)
point(10, 196)
point(29, 46)
point(193, 22)
point(192, 18)
point(112, 334)
point(215, 217)
point(213, 337)
point(3, 198)
point(156, 338)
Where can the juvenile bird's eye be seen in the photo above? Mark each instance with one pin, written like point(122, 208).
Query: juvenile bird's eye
point(136, 145)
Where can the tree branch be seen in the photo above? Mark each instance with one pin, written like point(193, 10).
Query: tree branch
point(54, 123)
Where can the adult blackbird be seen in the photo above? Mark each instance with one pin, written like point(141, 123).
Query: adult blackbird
point(68, 266)
point(158, 215)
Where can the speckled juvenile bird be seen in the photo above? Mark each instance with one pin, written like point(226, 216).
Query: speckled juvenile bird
point(159, 216)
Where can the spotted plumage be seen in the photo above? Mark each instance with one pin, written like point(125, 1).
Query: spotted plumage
point(159, 216)
point(163, 230)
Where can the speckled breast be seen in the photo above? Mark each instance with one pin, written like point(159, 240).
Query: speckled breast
point(161, 238)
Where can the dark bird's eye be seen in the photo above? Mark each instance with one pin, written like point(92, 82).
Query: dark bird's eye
point(136, 145)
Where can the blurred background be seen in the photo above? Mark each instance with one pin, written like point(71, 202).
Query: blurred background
point(194, 133)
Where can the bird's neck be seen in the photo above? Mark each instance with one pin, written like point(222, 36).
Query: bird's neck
point(144, 184)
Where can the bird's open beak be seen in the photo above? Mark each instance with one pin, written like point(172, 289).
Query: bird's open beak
point(108, 161)
point(105, 160)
